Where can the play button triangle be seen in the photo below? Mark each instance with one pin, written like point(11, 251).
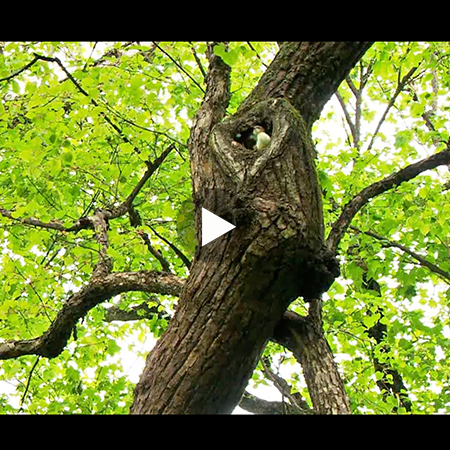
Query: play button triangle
point(213, 226)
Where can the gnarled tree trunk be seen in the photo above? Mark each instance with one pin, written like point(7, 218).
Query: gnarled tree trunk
point(241, 284)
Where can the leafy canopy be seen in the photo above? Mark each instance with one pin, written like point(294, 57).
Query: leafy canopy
point(69, 145)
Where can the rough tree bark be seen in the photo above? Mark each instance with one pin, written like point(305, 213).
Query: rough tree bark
point(241, 284)
point(305, 338)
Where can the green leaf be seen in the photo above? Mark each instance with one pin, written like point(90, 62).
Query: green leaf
point(370, 320)
point(229, 57)
point(67, 157)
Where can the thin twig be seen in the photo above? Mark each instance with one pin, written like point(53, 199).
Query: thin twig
point(178, 252)
point(130, 122)
point(179, 66)
point(30, 64)
point(28, 383)
point(36, 293)
point(283, 387)
point(257, 54)
point(157, 254)
point(358, 107)
point(397, 92)
point(422, 261)
point(197, 60)
point(347, 118)
point(90, 56)
point(352, 86)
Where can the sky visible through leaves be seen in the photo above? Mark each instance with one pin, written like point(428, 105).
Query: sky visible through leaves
point(60, 159)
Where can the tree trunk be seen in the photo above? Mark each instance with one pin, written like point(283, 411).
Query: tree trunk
point(241, 284)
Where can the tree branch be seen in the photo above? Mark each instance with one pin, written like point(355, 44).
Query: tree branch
point(26, 67)
point(163, 261)
point(197, 60)
point(118, 52)
point(87, 222)
point(348, 119)
point(28, 383)
point(311, 76)
point(177, 251)
point(256, 53)
point(353, 206)
point(355, 127)
point(100, 224)
point(53, 341)
point(179, 66)
point(151, 168)
point(304, 337)
point(397, 92)
point(422, 261)
point(285, 390)
point(257, 405)
point(139, 312)
point(33, 222)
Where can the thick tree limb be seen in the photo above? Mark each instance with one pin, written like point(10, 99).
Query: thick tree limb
point(139, 312)
point(211, 112)
point(53, 341)
point(307, 74)
point(303, 336)
point(354, 206)
point(257, 405)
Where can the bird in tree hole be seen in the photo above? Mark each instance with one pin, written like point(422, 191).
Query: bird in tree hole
point(262, 138)
point(253, 139)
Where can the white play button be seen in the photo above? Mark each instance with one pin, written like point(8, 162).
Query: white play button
point(213, 226)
